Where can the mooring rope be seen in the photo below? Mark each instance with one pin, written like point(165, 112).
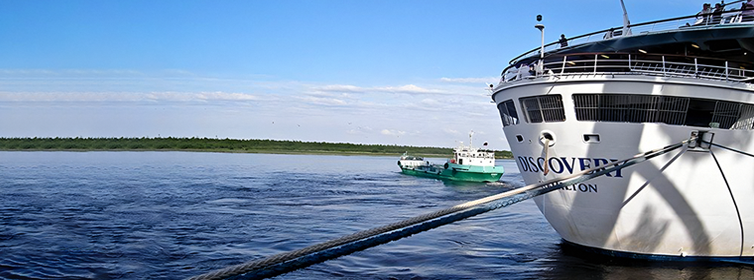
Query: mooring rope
point(547, 153)
point(729, 149)
point(732, 198)
point(289, 261)
point(730, 191)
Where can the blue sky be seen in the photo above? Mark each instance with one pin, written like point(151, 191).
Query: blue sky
point(373, 72)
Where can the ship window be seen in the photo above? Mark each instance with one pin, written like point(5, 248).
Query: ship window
point(746, 118)
point(700, 112)
point(544, 108)
point(508, 112)
point(663, 109)
point(630, 108)
point(725, 114)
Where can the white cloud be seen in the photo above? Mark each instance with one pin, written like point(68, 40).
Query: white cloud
point(350, 112)
point(69, 73)
point(338, 88)
point(408, 89)
point(324, 101)
point(226, 96)
point(430, 102)
point(392, 132)
point(486, 80)
point(360, 130)
point(451, 131)
point(122, 96)
point(199, 96)
point(331, 95)
point(70, 96)
point(169, 96)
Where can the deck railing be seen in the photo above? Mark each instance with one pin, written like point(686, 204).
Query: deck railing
point(602, 64)
point(685, 22)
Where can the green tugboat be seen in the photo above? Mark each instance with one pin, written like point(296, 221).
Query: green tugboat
point(468, 164)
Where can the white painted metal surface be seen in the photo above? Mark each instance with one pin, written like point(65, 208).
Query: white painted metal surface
point(680, 204)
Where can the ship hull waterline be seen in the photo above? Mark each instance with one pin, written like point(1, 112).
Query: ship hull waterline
point(454, 175)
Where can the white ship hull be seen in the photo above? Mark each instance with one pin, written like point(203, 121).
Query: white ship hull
point(688, 203)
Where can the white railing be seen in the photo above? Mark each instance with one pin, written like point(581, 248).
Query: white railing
point(673, 24)
point(602, 64)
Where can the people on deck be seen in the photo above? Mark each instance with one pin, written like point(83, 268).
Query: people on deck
point(609, 34)
point(702, 17)
point(563, 41)
point(739, 16)
point(731, 15)
point(717, 14)
point(747, 13)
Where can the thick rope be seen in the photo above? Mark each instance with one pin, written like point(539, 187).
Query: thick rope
point(547, 153)
point(729, 149)
point(732, 198)
point(285, 262)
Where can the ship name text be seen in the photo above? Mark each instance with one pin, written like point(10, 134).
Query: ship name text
point(560, 165)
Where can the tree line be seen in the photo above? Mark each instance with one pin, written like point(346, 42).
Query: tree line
point(217, 145)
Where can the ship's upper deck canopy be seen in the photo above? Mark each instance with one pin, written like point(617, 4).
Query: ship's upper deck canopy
point(689, 29)
point(716, 40)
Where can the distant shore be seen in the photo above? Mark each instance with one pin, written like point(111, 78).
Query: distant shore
point(222, 146)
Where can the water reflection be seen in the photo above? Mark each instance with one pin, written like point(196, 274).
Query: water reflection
point(571, 262)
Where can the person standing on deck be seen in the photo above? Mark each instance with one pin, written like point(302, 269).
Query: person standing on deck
point(702, 17)
point(523, 71)
point(747, 13)
point(563, 41)
point(717, 14)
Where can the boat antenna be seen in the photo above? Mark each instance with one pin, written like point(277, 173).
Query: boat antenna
point(471, 134)
point(541, 28)
point(626, 22)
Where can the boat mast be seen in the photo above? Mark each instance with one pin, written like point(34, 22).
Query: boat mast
point(626, 22)
point(540, 65)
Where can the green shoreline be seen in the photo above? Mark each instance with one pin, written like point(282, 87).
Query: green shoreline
point(221, 146)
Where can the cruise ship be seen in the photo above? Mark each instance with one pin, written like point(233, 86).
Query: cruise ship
point(605, 96)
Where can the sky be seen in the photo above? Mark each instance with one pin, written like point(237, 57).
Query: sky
point(394, 72)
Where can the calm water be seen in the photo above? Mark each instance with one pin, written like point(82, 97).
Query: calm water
point(172, 215)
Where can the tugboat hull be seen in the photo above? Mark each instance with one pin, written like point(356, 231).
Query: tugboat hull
point(456, 172)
